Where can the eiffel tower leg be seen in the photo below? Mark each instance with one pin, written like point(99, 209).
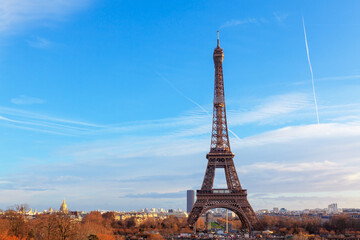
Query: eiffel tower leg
point(209, 177)
point(243, 217)
point(196, 212)
point(251, 216)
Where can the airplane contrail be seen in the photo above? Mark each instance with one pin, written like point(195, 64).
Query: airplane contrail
point(182, 94)
point(194, 102)
point(311, 71)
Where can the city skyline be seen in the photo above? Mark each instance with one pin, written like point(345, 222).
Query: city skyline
point(109, 104)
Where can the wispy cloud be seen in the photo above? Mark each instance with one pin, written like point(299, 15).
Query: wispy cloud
point(293, 133)
point(156, 195)
point(271, 109)
point(292, 159)
point(39, 43)
point(295, 167)
point(280, 17)
point(16, 13)
point(332, 78)
point(195, 123)
point(274, 110)
point(26, 100)
point(300, 201)
point(298, 161)
point(43, 123)
point(233, 23)
point(309, 158)
point(337, 78)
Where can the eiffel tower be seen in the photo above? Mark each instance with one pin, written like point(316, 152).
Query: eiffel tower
point(234, 197)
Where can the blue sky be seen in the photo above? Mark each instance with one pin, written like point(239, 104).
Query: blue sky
point(108, 103)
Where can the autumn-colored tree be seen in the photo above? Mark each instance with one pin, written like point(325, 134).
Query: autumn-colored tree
point(64, 227)
point(200, 224)
point(45, 227)
point(149, 223)
point(339, 223)
point(268, 221)
point(17, 225)
point(97, 225)
point(109, 219)
point(131, 222)
point(103, 236)
point(94, 217)
point(236, 224)
point(4, 236)
point(4, 226)
point(155, 237)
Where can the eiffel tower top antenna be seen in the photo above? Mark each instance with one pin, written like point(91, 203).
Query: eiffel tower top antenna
point(218, 41)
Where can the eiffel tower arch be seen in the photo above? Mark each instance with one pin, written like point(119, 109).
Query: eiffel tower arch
point(234, 197)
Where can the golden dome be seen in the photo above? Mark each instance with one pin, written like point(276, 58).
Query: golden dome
point(63, 207)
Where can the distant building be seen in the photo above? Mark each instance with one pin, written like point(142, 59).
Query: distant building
point(275, 209)
point(332, 208)
point(64, 208)
point(262, 211)
point(351, 210)
point(190, 200)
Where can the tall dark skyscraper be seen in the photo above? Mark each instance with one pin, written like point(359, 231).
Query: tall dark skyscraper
point(190, 199)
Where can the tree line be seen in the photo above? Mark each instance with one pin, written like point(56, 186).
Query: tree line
point(14, 225)
point(94, 226)
point(338, 224)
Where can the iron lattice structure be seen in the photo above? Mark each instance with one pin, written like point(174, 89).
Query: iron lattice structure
point(234, 197)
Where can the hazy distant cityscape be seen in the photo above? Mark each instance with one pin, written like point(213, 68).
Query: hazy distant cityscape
point(144, 214)
point(217, 223)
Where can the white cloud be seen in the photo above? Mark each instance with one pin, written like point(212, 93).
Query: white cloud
point(194, 124)
point(301, 166)
point(39, 43)
point(271, 109)
point(288, 164)
point(26, 120)
point(15, 13)
point(313, 132)
point(280, 17)
point(336, 78)
point(331, 78)
point(234, 22)
point(294, 167)
point(25, 100)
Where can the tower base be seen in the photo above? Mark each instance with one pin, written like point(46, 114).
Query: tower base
point(232, 200)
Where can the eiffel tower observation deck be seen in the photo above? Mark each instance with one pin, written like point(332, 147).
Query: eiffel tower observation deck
point(234, 197)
